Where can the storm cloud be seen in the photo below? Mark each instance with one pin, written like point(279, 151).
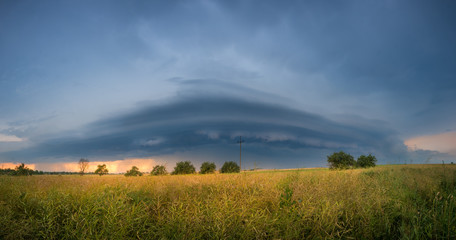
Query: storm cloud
point(209, 120)
point(180, 79)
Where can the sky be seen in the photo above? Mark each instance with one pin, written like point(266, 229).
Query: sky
point(157, 82)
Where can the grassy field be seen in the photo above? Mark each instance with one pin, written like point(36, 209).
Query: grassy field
point(387, 202)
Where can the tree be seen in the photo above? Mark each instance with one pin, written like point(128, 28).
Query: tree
point(22, 170)
point(341, 160)
point(101, 170)
point(183, 168)
point(159, 170)
point(134, 171)
point(83, 165)
point(230, 167)
point(366, 161)
point(207, 167)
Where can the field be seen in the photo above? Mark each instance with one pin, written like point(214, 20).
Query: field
point(386, 202)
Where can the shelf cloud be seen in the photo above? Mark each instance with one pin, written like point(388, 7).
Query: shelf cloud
point(174, 80)
point(194, 121)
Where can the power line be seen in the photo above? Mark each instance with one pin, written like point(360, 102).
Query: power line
point(240, 151)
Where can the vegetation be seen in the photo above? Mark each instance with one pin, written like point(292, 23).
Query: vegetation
point(386, 202)
point(366, 161)
point(341, 160)
point(101, 170)
point(83, 165)
point(207, 167)
point(159, 170)
point(230, 167)
point(134, 171)
point(9, 171)
point(20, 170)
point(184, 168)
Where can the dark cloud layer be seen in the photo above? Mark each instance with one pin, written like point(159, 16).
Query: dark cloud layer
point(291, 69)
point(195, 122)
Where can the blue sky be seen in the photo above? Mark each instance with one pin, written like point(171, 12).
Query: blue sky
point(179, 80)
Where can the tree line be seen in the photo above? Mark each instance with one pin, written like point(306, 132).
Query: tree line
point(337, 160)
point(186, 167)
point(20, 170)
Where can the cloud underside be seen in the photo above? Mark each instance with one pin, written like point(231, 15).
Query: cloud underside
point(444, 142)
point(210, 126)
point(9, 138)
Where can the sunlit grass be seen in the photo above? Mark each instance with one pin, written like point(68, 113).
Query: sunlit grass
point(401, 201)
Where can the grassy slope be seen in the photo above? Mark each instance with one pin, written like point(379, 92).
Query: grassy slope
point(402, 201)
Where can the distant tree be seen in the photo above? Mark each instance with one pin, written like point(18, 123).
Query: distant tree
point(183, 168)
point(83, 165)
point(366, 161)
point(22, 170)
point(207, 167)
point(134, 171)
point(159, 170)
point(341, 160)
point(230, 167)
point(101, 170)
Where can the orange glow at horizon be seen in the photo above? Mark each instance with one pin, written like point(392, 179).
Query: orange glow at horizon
point(116, 166)
point(443, 142)
point(14, 165)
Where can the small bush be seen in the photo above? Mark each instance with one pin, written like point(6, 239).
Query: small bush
point(366, 161)
point(341, 160)
point(230, 167)
point(133, 172)
point(183, 168)
point(159, 170)
point(207, 167)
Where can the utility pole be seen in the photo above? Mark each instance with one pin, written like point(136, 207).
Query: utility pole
point(240, 151)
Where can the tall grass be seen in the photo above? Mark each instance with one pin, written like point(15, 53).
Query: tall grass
point(412, 201)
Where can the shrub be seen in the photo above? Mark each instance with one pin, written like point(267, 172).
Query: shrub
point(207, 167)
point(159, 170)
point(183, 168)
point(341, 160)
point(134, 171)
point(22, 170)
point(230, 167)
point(101, 170)
point(366, 161)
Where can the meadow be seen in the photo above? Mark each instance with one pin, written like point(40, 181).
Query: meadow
point(385, 202)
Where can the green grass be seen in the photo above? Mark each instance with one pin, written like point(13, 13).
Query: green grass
point(387, 202)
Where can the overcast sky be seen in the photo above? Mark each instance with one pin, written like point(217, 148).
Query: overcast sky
point(180, 80)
